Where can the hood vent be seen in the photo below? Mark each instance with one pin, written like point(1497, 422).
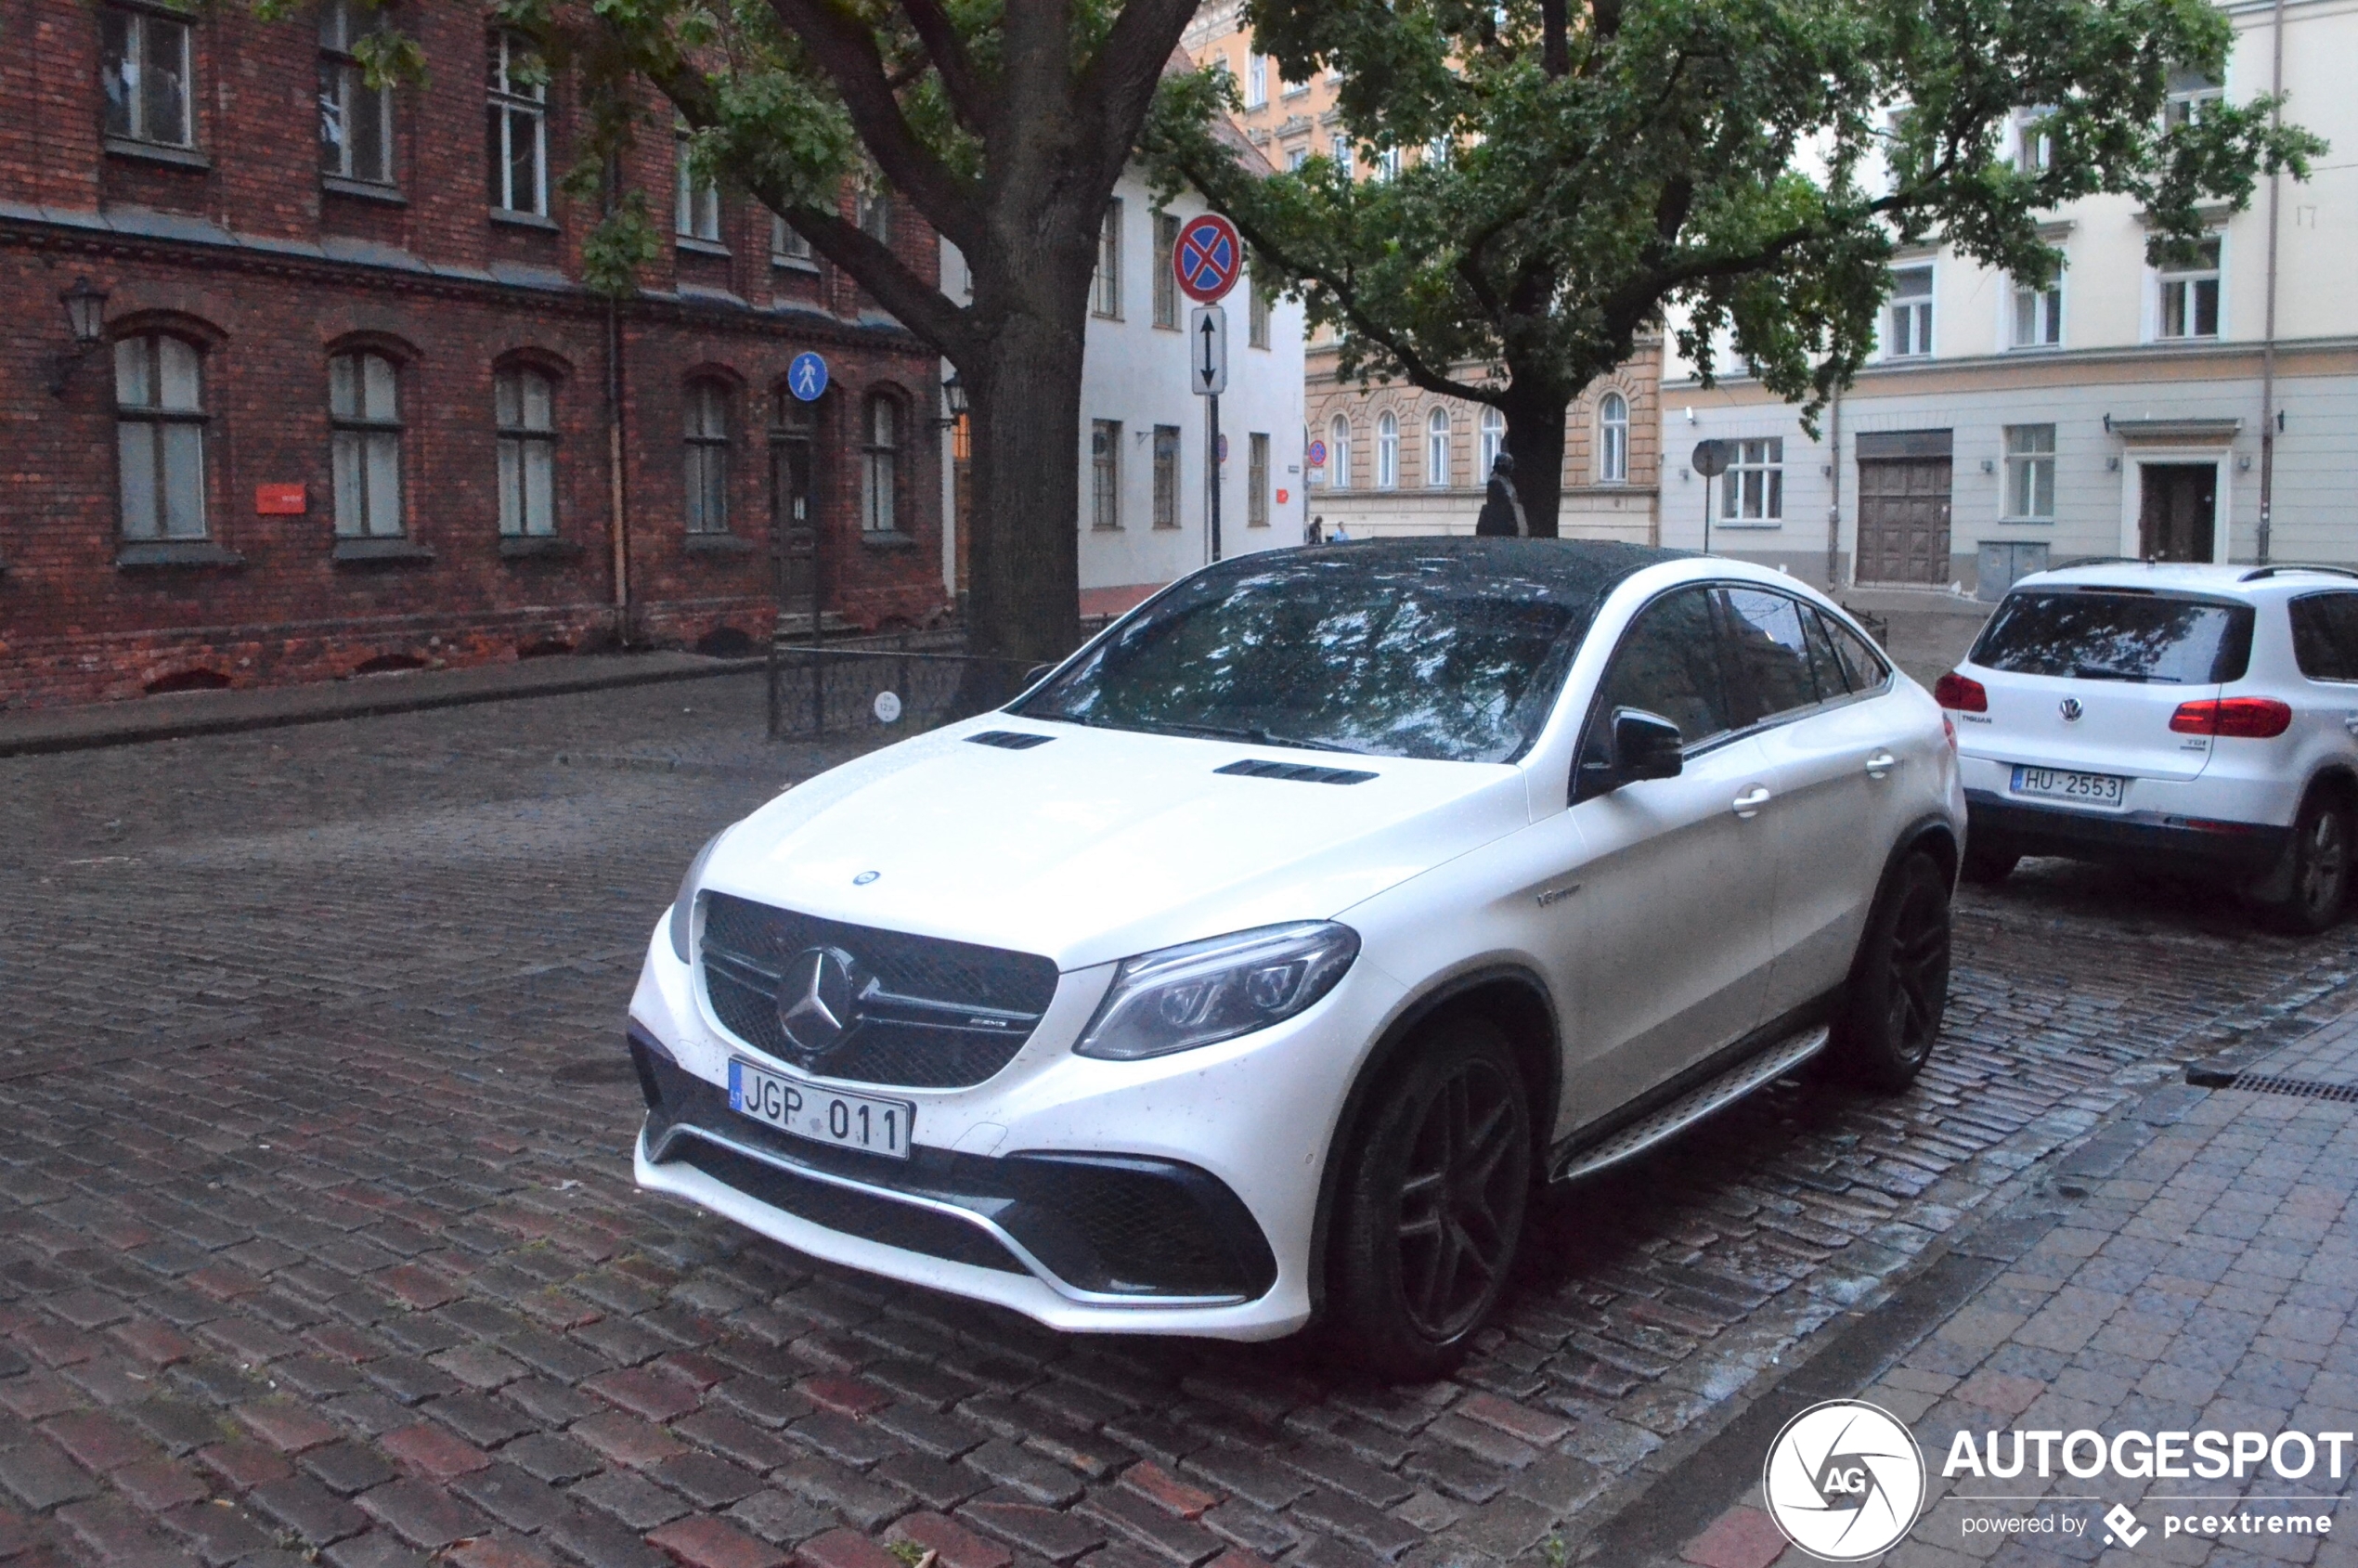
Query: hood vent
point(1300, 772)
point(1010, 740)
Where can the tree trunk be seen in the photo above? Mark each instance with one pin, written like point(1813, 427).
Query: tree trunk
point(1535, 437)
point(1025, 567)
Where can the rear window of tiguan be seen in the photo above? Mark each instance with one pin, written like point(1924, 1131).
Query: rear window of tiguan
point(2093, 634)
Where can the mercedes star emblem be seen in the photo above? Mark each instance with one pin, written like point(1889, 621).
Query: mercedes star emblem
point(2071, 709)
point(819, 999)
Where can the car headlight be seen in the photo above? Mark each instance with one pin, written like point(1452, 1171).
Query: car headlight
point(1203, 992)
point(684, 907)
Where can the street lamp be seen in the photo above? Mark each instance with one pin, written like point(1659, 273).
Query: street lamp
point(87, 318)
point(953, 401)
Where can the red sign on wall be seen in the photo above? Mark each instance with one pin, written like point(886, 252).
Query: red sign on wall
point(282, 501)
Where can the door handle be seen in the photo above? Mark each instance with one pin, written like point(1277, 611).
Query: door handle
point(1880, 763)
point(1748, 804)
point(2349, 722)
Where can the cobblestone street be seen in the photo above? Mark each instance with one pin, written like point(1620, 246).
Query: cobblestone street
point(318, 1238)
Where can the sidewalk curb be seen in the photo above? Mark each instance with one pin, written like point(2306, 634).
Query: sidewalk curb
point(1669, 1507)
point(346, 705)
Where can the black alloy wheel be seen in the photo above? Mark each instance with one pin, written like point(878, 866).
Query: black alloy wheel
point(2321, 854)
point(1432, 1211)
point(1898, 982)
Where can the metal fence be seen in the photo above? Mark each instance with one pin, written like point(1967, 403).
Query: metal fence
point(892, 686)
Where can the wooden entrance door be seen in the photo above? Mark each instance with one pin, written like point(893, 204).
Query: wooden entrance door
point(2177, 511)
point(793, 519)
point(1903, 520)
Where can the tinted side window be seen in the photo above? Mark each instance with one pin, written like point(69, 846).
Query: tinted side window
point(1865, 668)
point(1825, 665)
point(1771, 655)
point(2325, 636)
point(1669, 663)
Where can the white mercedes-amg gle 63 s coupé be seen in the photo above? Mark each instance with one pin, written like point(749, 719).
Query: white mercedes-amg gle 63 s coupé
point(1259, 962)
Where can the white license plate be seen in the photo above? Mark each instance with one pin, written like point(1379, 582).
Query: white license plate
point(2088, 789)
point(822, 1115)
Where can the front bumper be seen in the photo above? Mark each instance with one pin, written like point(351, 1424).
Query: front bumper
point(2149, 840)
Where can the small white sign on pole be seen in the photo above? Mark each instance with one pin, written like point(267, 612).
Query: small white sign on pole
point(1208, 351)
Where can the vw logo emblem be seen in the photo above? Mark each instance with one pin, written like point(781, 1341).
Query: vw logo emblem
point(819, 999)
point(2071, 709)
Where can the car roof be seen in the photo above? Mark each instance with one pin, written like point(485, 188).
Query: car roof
point(1570, 568)
point(2243, 581)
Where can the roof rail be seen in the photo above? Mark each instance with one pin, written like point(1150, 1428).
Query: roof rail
point(2259, 572)
point(2098, 561)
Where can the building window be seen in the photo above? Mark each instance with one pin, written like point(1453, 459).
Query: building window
point(364, 410)
point(1339, 453)
point(159, 395)
point(1166, 477)
point(1437, 450)
point(1105, 474)
point(1104, 290)
point(1909, 314)
point(787, 247)
point(2190, 292)
point(2038, 316)
point(355, 119)
point(1387, 452)
point(1296, 157)
point(143, 67)
point(1493, 440)
point(875, 212)
point(2034, 149)
point(880, 468)
point(1257, 480)
point(1256, 311)
point(1256, 81)
point(695, 204)
point(1753, 489)
point(1341, 146)
point(1437, 151)
point(2030, 473)
point(1166, 279)
point(1388, 163)
point(524, 407)
point(1612, 439)
point(705, 430)
point(2190, 93)
point(519, 148)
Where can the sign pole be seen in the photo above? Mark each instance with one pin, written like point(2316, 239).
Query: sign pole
point(1710, 461)
point(1207, 261)
point(1211, 406)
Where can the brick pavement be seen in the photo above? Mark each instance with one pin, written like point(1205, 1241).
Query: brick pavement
point(317, 1235)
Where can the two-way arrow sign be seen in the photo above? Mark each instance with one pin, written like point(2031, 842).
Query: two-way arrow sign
point(1208, 351)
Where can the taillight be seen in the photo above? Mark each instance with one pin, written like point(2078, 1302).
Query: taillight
point(1961, 692)
point(2249, 719)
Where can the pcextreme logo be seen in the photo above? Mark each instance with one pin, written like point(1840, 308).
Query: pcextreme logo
point(1845, 1481)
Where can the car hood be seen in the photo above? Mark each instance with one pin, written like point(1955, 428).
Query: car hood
point(1101, 843)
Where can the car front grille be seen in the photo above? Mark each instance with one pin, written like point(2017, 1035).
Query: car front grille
point(940, 1015)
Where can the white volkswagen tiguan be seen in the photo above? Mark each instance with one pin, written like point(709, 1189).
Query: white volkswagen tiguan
point(1256, 964)
point(2193, 719)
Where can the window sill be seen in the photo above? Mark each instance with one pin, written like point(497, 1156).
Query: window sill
point(522, 220)
point(795, 263)
point(381, 553)
point(1750, 524)
point(880, 540)
point(718, 544)
point(2026, 523)
point(133, 555)
point(363, 191)
point(529, 546)
point(2034, 348)
point(689, 244)
point(157, 152)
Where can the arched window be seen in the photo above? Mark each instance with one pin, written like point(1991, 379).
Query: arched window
point(706, 433)
point(1339, 454)
point(1612, 439)
point(880, 467)
point(1387, 450)
point(1494, 441)
point(364, 410)
point(524, 405)
point(160, 420)
point(1437, 450)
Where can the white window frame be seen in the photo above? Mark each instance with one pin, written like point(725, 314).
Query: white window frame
point(2033, 150)
point(1612, 439)
point(1387, 450)
point(527, 453)
point(707, 457)
point(512, 103)
point(2026, 464)
point(1438, 431)
point(1105, 476)
point(1339, 145)
point(1256, 81)
point(2047, 316)
point(1751, 493)
point(1493, 428)
point(1257, 480)
point(366, 448)
point(2188, 95)
point(1166, 302)
point(2165, 278)
point(695, 204)
point(344, 91)
point(789, 247)
point(1256, 310)
point(1105, 288)
point(1167, 457)
point(882, 436)
point(155, 424)
point(140, 46)
point(1915, 309)
point(1339, 453)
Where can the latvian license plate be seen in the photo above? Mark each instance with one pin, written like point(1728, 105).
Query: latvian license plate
point(822, 1115)
point(2088, 789)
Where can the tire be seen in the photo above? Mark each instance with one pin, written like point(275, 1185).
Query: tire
point(2318, 860)
point(1899, 989)
point(1988, 867)
point(1431, 1209)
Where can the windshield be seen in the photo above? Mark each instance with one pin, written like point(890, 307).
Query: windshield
point(1407, 656)
point(2107, 636)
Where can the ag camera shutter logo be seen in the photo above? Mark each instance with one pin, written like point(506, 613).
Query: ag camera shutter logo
point(1844, 1481)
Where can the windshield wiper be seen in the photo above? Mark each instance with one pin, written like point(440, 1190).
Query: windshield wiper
point(1252, 733)
point(2099, 672)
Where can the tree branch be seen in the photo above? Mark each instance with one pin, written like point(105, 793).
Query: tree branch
point(1119, 84)
point(912, 302)
point(969, 96)
point(1555, 39)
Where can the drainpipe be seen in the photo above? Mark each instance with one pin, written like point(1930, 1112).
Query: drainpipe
point(2267, 340)
point(615, 513)
point(1834, 490)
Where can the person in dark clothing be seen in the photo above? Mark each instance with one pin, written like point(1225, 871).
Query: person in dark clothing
point(1501, 507)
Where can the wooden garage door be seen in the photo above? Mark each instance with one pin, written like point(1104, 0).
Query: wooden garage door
point(1903, 520)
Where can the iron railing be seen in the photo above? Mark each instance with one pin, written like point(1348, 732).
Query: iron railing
point(890, 686)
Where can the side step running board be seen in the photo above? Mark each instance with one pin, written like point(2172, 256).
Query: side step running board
point(1696, 1104)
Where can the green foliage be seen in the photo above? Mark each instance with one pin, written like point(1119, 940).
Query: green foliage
point(625, 239)
point(1734, 167)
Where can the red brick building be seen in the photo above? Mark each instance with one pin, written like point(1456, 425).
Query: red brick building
point(348, 407)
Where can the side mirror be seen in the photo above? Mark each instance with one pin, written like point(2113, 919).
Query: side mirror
point(1032, 677)
point(1645, 745)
